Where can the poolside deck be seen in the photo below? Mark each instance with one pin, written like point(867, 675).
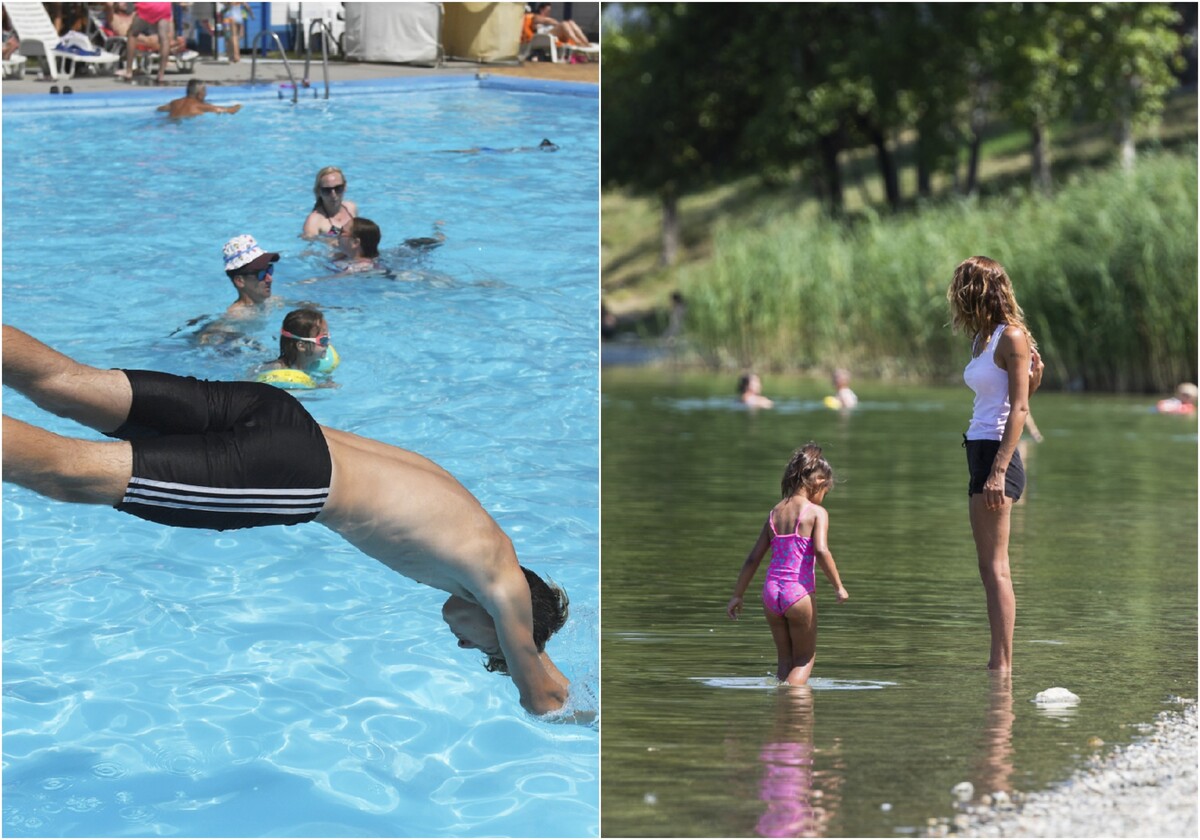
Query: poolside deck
point(222, 73)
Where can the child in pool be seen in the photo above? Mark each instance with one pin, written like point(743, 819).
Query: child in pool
point(304, 346)
point(796, 531)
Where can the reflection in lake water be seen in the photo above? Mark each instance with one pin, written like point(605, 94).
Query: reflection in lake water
point(699, 743)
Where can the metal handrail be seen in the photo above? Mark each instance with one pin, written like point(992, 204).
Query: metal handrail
point(287, 66)
point(326, 35)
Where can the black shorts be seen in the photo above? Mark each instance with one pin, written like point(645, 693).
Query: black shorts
point(222, 455)
point(981, 454)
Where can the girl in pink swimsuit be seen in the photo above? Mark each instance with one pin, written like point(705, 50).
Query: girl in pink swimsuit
point(796, 532)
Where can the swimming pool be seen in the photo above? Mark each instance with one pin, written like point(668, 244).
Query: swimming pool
point(276, 681)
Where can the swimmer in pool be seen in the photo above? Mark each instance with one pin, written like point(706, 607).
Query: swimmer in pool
point(305, 345)
point(332, 211)
point(251, 270)
point(359, 244)
point(225, 455)
point(193, 105)
point(797, 533)
point(544, 146)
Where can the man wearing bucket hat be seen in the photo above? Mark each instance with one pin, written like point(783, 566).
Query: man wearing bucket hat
point(251, 270)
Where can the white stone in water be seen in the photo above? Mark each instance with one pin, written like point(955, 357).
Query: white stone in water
point(886, 806)
point(1055, 697)
point(650, 799)
point(963, 791)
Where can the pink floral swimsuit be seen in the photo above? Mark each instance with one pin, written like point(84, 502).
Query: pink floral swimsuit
point(791, 575)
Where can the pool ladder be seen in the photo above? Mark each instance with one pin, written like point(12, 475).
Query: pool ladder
point(327, 33)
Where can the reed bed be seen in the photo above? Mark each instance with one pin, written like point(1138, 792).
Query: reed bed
point(1105, 269)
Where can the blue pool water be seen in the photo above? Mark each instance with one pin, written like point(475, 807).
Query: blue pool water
point(276, 681)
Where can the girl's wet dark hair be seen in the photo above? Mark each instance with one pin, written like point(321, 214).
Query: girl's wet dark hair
point(368, 235)
point(550, 608)
point(808, 470)
point(303, 322)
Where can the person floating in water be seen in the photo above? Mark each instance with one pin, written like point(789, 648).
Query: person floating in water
point(797, 533)
point(843, 397)
point(544, 146)
point(223, 455)
point(306, 353)
point(1184, 401)
point(750, 392)
point(194, 104)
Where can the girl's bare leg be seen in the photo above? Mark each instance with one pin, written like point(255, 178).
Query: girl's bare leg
point(802, 626)
point(783, 643)
point(96, 398)
point(990, 529)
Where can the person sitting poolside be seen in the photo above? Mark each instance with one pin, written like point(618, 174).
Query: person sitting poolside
point(566, 31)
point(224, 455)
point(306, 354)
point(193, 105)
point(331, 212)
point(750, 392)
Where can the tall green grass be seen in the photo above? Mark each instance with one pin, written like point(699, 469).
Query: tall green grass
point(1105, 269)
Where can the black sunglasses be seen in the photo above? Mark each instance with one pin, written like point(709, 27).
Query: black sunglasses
point(339, 189)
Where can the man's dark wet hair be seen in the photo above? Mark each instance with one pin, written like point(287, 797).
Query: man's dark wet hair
point(550, 607)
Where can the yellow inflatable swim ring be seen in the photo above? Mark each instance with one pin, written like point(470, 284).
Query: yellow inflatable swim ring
point(833, 402)
point(287, 378)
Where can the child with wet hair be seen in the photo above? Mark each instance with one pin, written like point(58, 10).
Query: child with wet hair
point(797, 533)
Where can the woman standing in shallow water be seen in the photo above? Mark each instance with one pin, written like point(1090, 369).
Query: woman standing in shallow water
point(1004, 371)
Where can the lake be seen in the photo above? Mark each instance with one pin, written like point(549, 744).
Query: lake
point(698, 742)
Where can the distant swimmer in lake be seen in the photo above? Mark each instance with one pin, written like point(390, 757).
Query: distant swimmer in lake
point(750, 392)
point(188, 453)
point(193, 105)
point(1004, 371)
point(331, 212)
point(544, 146)
point(1184, 401)
point(797, 534)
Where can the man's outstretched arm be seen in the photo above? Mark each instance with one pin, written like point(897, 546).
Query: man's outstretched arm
point(508, 603)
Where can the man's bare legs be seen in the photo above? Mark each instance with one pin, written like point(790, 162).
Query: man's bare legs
point(99, 399)
point(70, 470)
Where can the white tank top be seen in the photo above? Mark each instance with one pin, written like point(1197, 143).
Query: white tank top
point(990, 384)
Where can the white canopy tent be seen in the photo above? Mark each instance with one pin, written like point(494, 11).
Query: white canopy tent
point(399, 33)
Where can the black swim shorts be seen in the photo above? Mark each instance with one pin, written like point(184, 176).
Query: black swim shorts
point(981, 454)
point(221, 455)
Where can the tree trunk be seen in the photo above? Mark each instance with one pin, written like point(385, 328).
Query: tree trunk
point(670, 227)
point(833, 174)
point(972, 183)
point(887, 167)
point(1041, 156)
point(1128, 149)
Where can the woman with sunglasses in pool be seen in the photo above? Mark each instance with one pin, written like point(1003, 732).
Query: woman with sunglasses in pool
point(331, 212)
point(306, 353)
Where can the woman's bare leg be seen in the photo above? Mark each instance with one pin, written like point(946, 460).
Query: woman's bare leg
point(990, 529)
point(96, 398)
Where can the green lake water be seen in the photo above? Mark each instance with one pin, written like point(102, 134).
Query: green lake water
point(697, 742)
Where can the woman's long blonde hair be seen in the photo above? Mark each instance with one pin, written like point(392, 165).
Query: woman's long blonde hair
point(981, 298)
point(328, 170)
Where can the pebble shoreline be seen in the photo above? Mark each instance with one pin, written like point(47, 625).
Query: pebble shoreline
point(1145, 789)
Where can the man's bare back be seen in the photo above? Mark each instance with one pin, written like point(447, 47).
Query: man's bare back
point(194, 104)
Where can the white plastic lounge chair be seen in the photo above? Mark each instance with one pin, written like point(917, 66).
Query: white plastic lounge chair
point(591, 52)
point(14, 68)
point(39, 39)
point(147, 60)
point(540, 41)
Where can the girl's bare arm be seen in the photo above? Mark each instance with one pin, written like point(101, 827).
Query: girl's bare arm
point(824, 556)
point(749, 567)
